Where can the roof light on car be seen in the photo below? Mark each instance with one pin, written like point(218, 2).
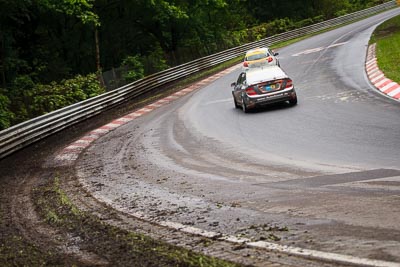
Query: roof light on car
point(270, 59)
point(245, 64)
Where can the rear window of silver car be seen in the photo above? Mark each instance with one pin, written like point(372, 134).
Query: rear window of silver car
point(267, 74)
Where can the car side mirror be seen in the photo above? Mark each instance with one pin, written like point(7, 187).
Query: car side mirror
point(276, 54)
point(233, 84)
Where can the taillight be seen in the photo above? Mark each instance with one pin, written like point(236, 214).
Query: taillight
point(269, 59)
point(289, 83)
point(245, 64)
point(250, 91)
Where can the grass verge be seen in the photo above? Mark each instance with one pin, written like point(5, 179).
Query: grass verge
point(116, 246)
point(16, 251)
point(387, 39)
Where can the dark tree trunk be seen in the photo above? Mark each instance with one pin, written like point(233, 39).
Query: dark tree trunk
point(98, 65)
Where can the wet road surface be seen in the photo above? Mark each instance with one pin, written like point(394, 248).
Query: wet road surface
point(323, 175)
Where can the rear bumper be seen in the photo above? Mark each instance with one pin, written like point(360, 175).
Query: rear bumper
point(279, 96)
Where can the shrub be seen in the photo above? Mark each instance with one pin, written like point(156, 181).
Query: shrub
point(133, 68)
point(27, 100)
point(47, 98)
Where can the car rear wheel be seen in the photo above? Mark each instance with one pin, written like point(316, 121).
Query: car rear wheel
point(244, 107)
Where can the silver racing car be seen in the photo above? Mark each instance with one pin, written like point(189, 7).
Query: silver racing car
point(262, 86)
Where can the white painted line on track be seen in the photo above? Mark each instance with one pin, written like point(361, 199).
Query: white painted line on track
point(318, 49)
point(289, 250)
point(309, 51)
point(191, 230)
point(234, 239)
point(338, 44)
point(327, 256)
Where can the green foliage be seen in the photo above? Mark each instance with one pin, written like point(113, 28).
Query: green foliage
point(20, 95)
point(81, 9)
point(155, 61)
point(304, 23)
point(47, 98)
point(133, 69)
point(281, 25)
point(5, 114)
point(29, 100)
point(298, 10)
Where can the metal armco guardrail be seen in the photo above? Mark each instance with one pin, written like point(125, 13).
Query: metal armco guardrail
point(26, 133)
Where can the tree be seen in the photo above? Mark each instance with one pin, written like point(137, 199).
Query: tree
point(83, 10)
